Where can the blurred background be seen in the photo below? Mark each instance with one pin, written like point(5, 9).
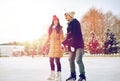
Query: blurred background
point(24, 25)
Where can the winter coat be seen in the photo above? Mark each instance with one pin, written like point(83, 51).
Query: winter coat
point(74, 35)
point(55, 40)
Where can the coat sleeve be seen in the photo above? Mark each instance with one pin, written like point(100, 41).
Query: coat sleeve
point(47, 41)
point(68, 39)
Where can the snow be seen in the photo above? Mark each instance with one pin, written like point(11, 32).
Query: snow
point(37, 69)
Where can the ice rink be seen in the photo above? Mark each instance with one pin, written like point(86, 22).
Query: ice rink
point(37, 68)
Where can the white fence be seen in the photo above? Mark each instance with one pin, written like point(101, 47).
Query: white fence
point(8, 50)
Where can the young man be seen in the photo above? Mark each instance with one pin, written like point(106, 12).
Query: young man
point(74, 41)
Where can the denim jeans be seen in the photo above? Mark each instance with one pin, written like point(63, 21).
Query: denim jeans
point(52, 65)
point(78, 54)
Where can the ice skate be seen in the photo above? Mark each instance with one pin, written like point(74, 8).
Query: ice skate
point(58, 77)
point(52, 75)
point(82, 78)
point(72, 77)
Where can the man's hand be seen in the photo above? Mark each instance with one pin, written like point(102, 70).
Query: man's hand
point(72, 49)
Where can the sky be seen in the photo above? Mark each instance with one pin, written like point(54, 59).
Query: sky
point(27, 20)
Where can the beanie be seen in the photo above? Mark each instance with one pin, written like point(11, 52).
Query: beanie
point(55, 17)
point(72, 13)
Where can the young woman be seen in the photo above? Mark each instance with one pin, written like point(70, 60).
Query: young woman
point(55, 38)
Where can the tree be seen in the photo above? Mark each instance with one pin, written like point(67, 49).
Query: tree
point(118, 28)
point(93, 21)
point(112, 22)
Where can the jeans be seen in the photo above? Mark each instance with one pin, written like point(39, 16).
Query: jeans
point(78, 54)
point(52, 65)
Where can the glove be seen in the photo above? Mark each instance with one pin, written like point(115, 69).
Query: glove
point(72, 49)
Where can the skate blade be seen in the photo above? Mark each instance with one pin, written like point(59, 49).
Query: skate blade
point(83, 80)
point(71, 80)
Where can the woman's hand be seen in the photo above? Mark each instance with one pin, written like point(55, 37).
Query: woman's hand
point(62, 47)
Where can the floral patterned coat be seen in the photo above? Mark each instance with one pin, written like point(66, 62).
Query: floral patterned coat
point(55, 41)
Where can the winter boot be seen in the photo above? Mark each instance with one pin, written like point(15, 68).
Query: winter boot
point(58, 77)
point(72, 77)
point(52, 75)
point(82, 77)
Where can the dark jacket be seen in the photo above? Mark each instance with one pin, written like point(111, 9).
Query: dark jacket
point(74, 36)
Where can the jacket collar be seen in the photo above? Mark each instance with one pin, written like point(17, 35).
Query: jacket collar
point(70, 21)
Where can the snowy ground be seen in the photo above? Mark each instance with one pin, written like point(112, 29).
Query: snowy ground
point(37, 69)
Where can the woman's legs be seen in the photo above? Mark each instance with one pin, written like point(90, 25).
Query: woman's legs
point(57, 60)
point(52, 65)
point(58, 77)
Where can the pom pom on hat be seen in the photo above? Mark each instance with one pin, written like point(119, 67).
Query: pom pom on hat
point(72, 13)
point(55, 17)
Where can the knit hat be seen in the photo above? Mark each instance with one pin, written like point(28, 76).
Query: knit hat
point(55, 17)
point(72, 13)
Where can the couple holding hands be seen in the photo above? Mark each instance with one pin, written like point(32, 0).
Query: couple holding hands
point(74, 42)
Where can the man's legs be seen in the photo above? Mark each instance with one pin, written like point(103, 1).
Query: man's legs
point(72, 62)
point(79, 55)
point(72, 67)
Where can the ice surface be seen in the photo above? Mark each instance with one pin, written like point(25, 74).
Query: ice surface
point(37, 68)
